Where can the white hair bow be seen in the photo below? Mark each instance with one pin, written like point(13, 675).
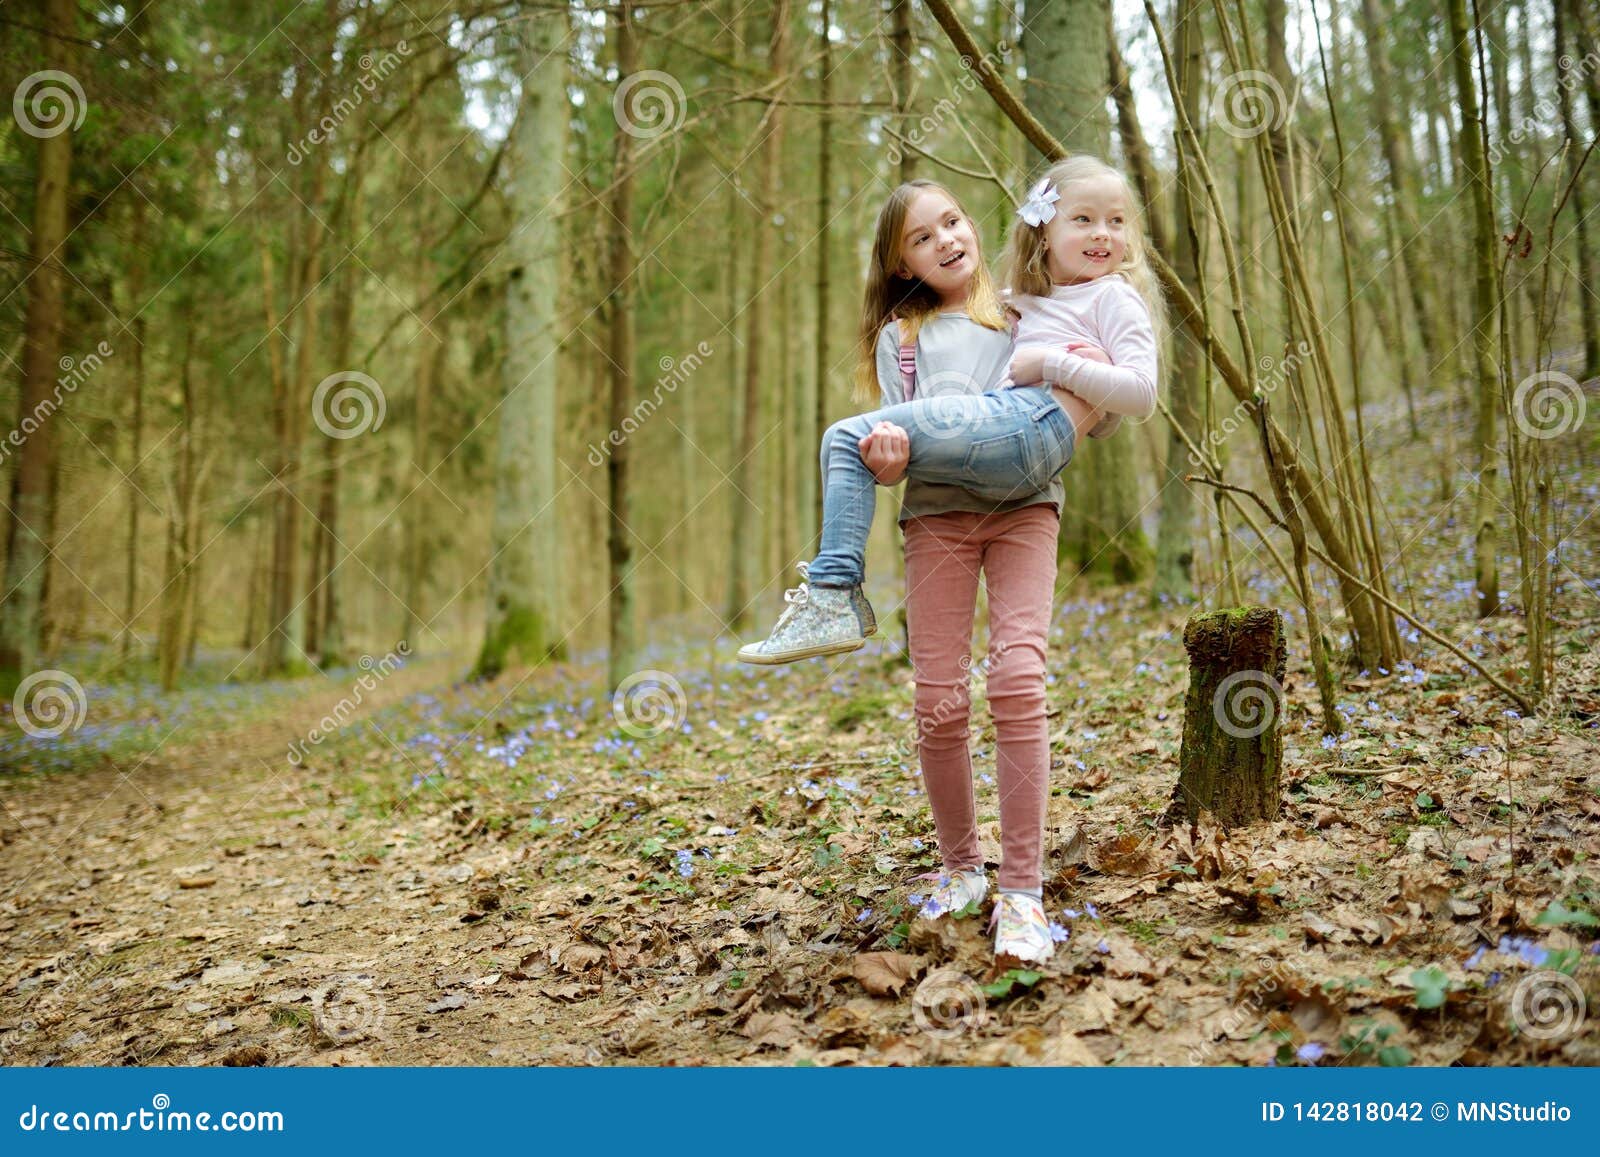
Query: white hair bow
point(1037, 209)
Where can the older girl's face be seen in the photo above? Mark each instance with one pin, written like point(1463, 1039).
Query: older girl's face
point(1088, 235)
point(938, 244)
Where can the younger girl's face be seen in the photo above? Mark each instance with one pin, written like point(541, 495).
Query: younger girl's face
point(1087, 237)
point(938, 245)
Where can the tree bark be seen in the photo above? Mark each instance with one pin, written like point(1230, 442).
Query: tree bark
point(619, 540)
point(1486, 378)
point(748, 539)
point(21, 611)
point(1231, 761)
point(526, 608)
point(1174, 573)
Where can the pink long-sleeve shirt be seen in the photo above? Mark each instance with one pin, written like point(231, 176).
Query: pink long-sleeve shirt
point(1106, 312)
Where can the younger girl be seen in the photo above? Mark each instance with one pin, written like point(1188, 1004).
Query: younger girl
point(952, 330)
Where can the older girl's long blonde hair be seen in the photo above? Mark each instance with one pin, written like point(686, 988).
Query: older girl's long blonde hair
point(910, 298)
point(1024, 263)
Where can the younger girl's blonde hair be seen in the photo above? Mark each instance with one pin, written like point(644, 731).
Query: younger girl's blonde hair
point(910, 298)
point(1024, 262)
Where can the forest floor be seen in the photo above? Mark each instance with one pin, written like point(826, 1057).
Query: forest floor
point(504, 873)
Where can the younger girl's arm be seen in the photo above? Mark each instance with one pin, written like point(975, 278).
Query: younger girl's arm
point(1128, 384)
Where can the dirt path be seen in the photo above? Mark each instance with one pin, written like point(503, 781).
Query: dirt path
point(217, 903)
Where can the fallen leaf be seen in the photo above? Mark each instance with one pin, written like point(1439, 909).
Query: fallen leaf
point(886, 973)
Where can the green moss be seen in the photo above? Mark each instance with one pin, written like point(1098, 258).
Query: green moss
point(854, 712)
point(521, 634)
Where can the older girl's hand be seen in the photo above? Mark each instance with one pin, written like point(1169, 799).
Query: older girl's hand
point(1027, 366)
point(886, 452)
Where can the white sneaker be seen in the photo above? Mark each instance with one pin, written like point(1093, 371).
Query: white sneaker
point(1024, 932)
point(956, 890)
point(818, 621)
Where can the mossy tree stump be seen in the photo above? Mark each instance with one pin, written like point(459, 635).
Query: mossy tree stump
point(1232, 758)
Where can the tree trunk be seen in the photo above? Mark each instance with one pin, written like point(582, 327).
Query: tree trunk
point(749, 541)
point(1376, 18)
point(1588, 280)
point(1066, 46)
point(901, 57)
point(26, 547)
point(130, 585)
point(619, 539)
point(1174, 575)
point(824, 364)
point(526, 608)
point(1486, 378)
point(1231, 761)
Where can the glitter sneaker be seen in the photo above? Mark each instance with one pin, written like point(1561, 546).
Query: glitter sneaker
point(956, 890)
point(1024, 933)
point(818, 621)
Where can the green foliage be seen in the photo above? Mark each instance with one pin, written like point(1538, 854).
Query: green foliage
point(1011, 983)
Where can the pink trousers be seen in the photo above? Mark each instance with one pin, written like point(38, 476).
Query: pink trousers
point(1016, 552)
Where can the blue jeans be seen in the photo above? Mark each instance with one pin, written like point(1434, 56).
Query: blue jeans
point(999, 446)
